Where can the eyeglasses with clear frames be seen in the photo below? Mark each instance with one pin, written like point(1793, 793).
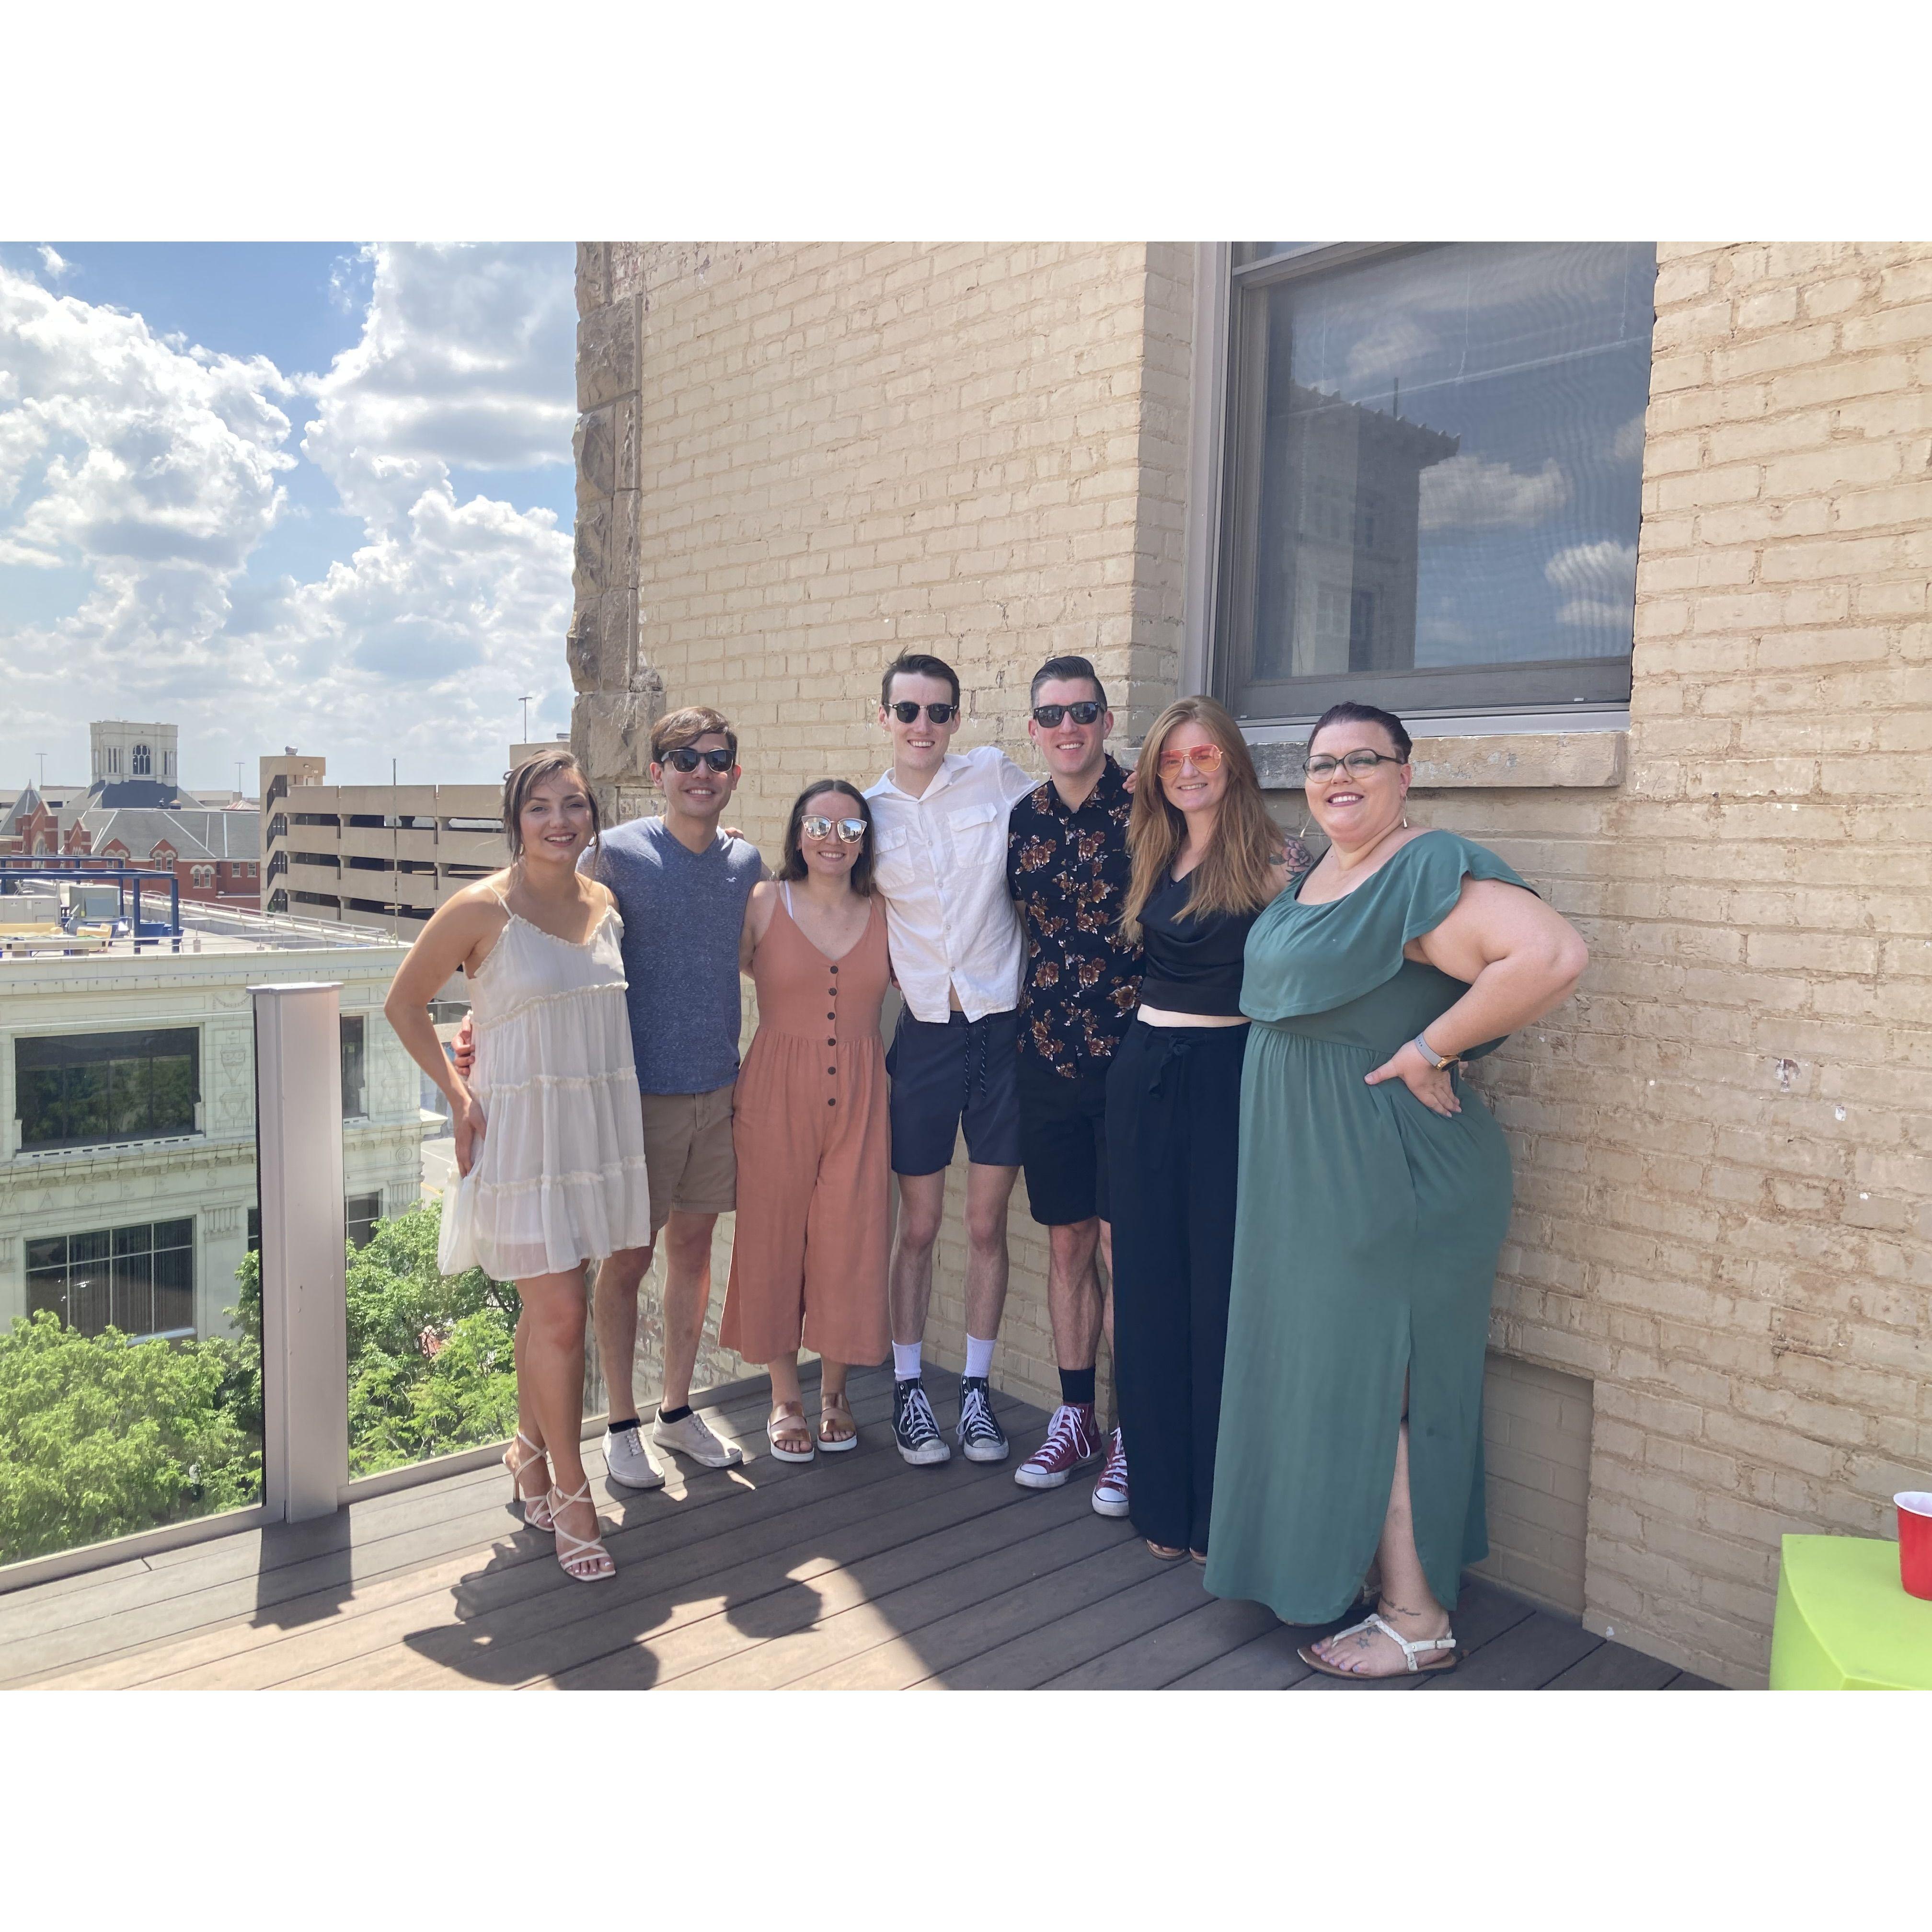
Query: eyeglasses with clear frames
point(1322, 765)
point(850, 830)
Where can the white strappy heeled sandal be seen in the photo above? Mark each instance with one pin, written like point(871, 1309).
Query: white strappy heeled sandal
point(1410, 1651)
point(584, 1550)
point(536, 1508)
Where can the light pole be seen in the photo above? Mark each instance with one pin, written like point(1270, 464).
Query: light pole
point(526, 703)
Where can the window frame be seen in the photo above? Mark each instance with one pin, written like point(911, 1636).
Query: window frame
point(1228, 459)
point(353, 1039)
point(119, 1249)
point(27, 1045)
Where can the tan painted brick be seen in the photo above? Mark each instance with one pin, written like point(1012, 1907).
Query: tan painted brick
point(983, 451)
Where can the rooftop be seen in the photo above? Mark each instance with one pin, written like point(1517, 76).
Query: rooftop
point(854, 1572)
point(205, 929)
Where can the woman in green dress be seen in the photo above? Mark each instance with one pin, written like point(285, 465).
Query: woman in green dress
point(1374, 1196)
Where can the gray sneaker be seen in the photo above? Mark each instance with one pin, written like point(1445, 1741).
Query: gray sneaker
point(689, 1437)
point(628, 1460)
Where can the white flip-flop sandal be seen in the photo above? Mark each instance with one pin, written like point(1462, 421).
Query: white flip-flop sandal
point(1411, 1652)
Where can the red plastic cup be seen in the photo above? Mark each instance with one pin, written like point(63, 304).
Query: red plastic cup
point(1915, 1541)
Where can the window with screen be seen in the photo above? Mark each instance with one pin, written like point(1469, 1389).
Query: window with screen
point(74, 1090)
point(1433, 466)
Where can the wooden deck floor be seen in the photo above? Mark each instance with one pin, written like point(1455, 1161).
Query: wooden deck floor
point(854, 1572)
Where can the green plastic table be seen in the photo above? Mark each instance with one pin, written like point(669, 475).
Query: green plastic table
point(1844, 1622)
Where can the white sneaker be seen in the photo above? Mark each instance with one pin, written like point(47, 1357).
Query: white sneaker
point(689, 1437)
point(628, 1460)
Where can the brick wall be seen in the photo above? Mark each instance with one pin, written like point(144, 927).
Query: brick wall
point(796, 462)
point(1724, 1147)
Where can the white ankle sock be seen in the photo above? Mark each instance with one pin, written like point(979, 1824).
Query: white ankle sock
point(979, 1356)
point(905, 1361)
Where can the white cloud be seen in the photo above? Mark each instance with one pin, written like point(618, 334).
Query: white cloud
point(1599, 580)
point(1469, 492)
point(57, 266)
point(156, 469)
point(467, 360)
point(1627, 446)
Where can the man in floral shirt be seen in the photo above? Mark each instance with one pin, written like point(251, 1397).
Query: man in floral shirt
point(1067, 868)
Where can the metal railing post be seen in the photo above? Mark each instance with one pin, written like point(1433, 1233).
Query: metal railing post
point(304, 1290)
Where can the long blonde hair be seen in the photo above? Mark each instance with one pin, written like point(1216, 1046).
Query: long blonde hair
point(1235, 877)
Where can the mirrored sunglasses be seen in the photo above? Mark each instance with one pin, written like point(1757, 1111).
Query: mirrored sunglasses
point(908, 713)
point(1048, 715)
point(686, 758)
point(850, 830)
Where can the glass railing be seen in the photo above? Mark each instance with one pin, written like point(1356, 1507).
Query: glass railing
point(131, 1362)
point(431, 1358)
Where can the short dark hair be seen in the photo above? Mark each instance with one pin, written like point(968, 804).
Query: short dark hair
point(791, 866)
point(1349, 713)
point(677, 729)
point(916, 663)
point(523, 779)
point(1055, 669)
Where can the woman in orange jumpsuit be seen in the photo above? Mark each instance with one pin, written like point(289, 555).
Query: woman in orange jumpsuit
point(809, 1123)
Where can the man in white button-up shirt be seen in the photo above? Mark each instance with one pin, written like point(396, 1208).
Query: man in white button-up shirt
point(940, 834)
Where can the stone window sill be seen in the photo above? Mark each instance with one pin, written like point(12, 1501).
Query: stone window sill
point(1511, 760)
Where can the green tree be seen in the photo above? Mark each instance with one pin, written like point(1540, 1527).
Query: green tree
point(431, 1366)
point(99, 1438)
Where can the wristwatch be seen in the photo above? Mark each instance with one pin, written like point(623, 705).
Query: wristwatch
point(1439, 1061)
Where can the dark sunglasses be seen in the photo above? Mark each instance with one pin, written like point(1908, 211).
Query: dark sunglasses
point(1046, 716)
point(850, 830)
point(908, 713)
point(686, 758)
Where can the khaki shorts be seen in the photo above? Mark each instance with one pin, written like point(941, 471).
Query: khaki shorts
point(688, 1156)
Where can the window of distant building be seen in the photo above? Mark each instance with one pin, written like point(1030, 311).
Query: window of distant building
point(74, 1090)
point(144, 762)
point(1432, 467)
point(361, 1212)
point(138, 1280)
point(354, 1095)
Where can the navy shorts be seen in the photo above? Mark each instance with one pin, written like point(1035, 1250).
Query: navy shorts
point(1063, 1141)
point(950, 1074)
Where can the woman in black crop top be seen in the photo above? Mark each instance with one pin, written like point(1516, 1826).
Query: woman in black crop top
point(1207, 858)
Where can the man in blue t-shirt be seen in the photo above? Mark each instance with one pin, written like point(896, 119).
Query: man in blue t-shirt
point(681, 885)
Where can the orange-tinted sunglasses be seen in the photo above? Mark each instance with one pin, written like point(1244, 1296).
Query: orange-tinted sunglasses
point(1206, 759)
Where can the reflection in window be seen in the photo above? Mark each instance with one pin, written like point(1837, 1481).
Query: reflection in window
point(354, 1095)
point(138, 1279)
point(76, 1089)
point(1436, 456)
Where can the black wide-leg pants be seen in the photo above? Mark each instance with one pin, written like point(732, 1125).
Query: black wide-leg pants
point(1174, 1110)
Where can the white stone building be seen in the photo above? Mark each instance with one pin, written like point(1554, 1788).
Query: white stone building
point(127, 1116)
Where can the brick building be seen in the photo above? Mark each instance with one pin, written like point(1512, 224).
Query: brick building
point(1639, 544)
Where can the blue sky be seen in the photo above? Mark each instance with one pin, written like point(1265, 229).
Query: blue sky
point(307, 493)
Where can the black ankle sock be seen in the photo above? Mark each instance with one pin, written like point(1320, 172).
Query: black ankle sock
point(628, 1422)
point(674, 1415)
point(1076, 1388)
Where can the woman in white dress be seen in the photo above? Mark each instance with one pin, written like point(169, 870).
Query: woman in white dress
point(549, 1127)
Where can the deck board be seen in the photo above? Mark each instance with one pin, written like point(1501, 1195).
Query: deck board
point(854, 1572)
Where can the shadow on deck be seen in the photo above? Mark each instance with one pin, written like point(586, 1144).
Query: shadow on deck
point(854, 1572)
